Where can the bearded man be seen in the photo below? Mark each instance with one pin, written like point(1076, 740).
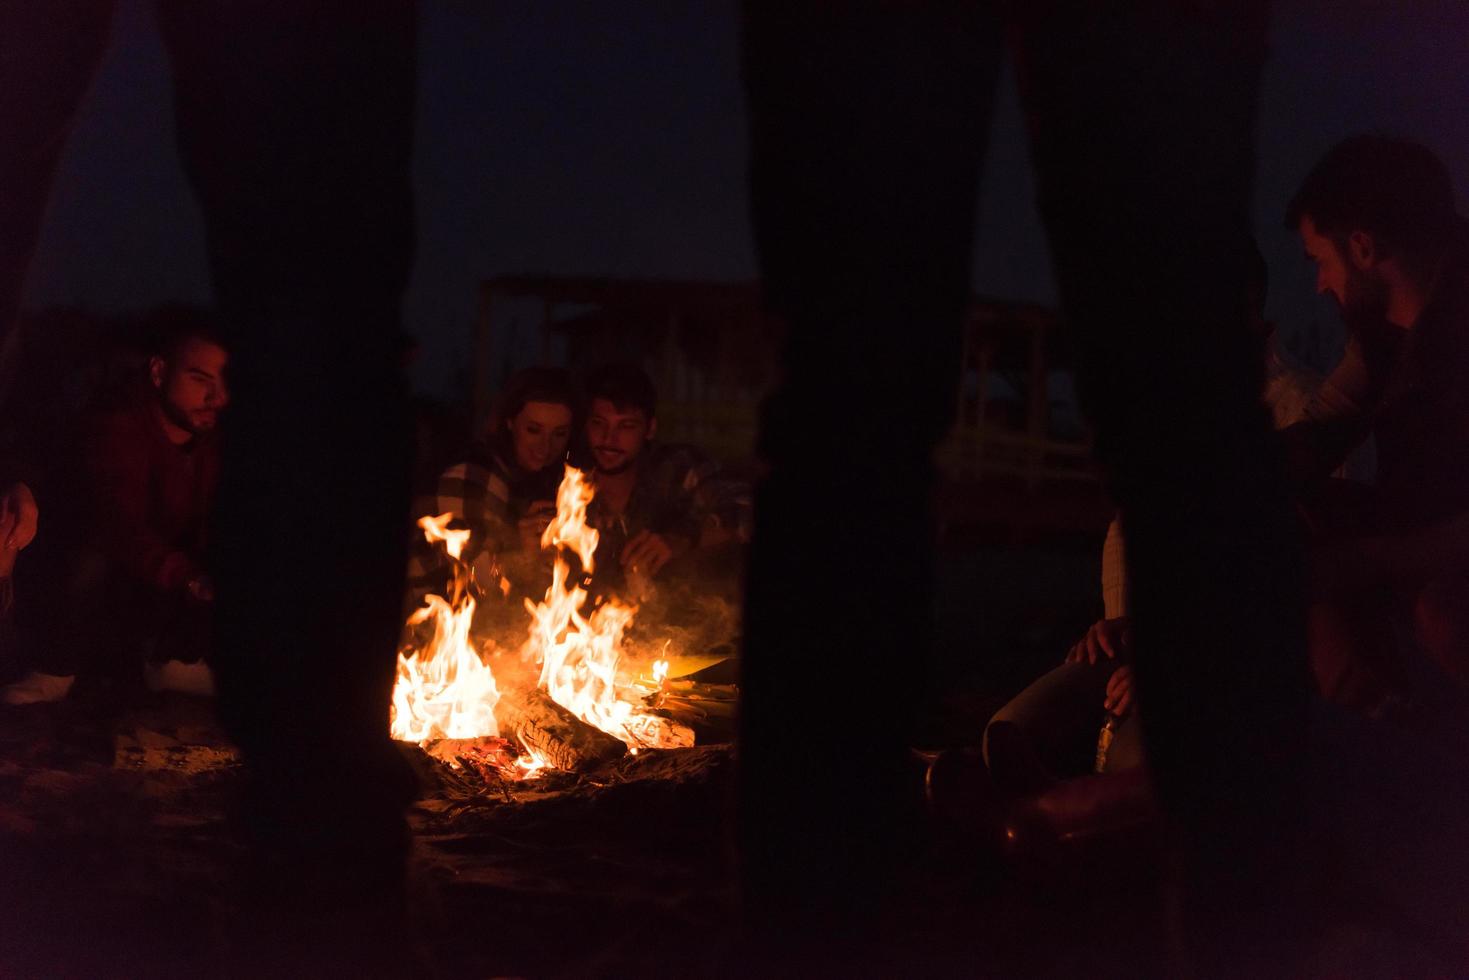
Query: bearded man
point(1377, 217)
point(127, 584)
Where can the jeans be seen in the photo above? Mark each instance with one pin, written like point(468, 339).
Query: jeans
point(1049, 730)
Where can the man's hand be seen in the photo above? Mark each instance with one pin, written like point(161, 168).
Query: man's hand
point(18, 517)
point(647, 553)
point(537, 518)
point(200, 588)
point(1107, 637)
point(1119, 691)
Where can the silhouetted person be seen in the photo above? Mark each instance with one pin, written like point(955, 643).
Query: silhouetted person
point(1049, 731)
point(503, 486)
point(868, 125)
point(655, 502)
point(1377, 217)
point(128, 583)
point(295, 129)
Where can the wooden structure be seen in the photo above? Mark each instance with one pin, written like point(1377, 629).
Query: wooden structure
point(712, 350)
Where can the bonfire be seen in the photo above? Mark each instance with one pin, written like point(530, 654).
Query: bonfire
point(582, 709)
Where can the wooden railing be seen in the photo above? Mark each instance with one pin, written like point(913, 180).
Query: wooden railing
point(711, 397)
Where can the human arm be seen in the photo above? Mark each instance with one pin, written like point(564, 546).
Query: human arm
point(478, 496)
point(1109, 638)
point(1114, 572)
point(678, 484)
point(1338, 415)
point(532, 525)
point(1111, 635)
point(19, 516)
point(1119, 691)
point(648, 551)
point(116, 467)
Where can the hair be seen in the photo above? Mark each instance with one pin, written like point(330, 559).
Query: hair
point(625, 386)
point(170, 327)
point(532, 384)
point(1396, 190)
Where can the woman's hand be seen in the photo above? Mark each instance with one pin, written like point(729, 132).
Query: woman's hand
point(533, 525)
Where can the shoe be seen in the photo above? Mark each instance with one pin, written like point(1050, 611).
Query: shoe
point(185, 678)
point(37, 688)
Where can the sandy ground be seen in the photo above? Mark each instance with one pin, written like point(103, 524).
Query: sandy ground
point(120, 858)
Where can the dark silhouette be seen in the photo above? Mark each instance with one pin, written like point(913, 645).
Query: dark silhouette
point(123, 576)
point(294, 126)
point(868, 125)
point(1377, 217)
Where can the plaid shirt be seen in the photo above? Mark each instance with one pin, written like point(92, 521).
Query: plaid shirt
point(489, 496)
point(678, 493)
point(486, 495)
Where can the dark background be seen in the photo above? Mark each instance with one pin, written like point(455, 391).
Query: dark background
point(608, 139)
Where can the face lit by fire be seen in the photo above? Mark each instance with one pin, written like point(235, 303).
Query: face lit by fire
point(190, 382)
point(617, 435)
point(539, 433)
point(1346, 272)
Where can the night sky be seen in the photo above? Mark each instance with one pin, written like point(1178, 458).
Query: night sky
point(608, 139)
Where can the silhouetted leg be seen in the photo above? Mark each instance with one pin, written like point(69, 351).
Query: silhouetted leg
point(1143, 124)
point(295, 125)
point(866, 131)
point(1049, 730)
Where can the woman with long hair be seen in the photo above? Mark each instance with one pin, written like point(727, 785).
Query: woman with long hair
point(504, 488)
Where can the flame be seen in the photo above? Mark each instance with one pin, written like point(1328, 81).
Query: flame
point(444, 689)
point(530, 762)
point(579, 653)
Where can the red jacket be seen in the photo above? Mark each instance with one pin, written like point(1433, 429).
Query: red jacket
point(147, 500)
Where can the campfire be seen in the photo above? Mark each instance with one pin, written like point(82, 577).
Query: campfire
point(566, 699)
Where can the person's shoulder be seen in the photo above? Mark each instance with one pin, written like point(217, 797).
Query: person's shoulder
point(123, 415)
point(681, 464)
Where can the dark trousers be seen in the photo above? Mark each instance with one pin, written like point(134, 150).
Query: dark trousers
point(1049, 731)
point(868, 124)
point(83, 614)
point(295, 130)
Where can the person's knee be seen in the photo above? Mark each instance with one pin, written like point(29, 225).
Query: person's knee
point(991, 737)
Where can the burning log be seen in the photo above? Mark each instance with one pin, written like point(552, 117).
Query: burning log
point(554, 733)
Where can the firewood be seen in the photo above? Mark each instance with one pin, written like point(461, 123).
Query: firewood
point(530, 717)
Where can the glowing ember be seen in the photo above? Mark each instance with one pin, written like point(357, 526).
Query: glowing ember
point(530, 763)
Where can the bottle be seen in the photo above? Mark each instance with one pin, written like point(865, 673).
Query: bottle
point(1104, 741)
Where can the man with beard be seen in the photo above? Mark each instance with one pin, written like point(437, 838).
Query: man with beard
point(127, 569)
point(654, 504)
point(1377, 217)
